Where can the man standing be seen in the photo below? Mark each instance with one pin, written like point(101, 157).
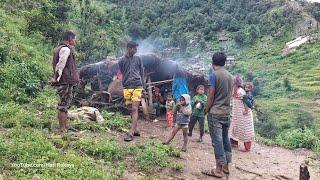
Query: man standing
point(218, 107)
point(65, 76)
point(131, 68)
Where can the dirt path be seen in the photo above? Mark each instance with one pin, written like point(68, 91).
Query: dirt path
point(263, 162)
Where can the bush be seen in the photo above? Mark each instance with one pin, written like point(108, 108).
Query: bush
point(304, 120)
point(154, 156)
point(298, 139)
point(117, 122)
point(265, 126)
point(176, 166)
point(105, 149)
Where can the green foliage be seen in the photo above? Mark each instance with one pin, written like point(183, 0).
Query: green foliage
point(298, 139)
point(30, 146)
point(99, 35)
point(155, 156)
point(265, 126)
point(46, 17)
point(104, 149)
point(305, 120)
point(117, 122)
point(176, 166)
point(246, 21)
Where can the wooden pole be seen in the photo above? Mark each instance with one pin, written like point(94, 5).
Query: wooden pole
point(159, 82)
point(150, 92)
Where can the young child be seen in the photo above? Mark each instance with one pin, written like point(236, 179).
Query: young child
point(169, 110)
point(184, 111)
point(198, 105)
point(158, 100)
point(248, 99)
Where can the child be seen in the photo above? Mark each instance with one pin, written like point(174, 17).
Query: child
point(158, 100)
point(184, 111)
point(169, 110)
point(248, 99)
point(198, 105)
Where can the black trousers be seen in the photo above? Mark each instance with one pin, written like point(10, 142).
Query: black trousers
point(193, 121)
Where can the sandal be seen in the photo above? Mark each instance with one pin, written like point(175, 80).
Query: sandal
point(128, 137)
point(226, 171)
point(211, 173)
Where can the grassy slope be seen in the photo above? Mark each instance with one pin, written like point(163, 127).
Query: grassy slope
point(271, 67)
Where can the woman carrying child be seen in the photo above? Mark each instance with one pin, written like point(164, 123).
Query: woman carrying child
point(241, 128)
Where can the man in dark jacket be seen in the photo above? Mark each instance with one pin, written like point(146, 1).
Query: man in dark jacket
point(131, 68)
point(65, 76)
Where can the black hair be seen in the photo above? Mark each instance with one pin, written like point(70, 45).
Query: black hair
point(67, 35)
point(132, 44)
point(219, 59)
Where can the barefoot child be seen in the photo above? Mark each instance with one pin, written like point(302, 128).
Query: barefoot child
point(248, 99)
point(198, 105)
point(169, 111)
point(184, 111)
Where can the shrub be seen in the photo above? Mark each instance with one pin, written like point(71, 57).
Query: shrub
point(304, 120)
point(105, 149)
point(117, 122)
point(176, 166)
point(154, 156)
point(298, 139)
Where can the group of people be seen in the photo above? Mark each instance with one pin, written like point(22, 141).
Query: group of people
point(229, 125)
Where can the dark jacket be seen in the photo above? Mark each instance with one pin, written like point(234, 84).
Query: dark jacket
point(70, 73)
point(132, 71)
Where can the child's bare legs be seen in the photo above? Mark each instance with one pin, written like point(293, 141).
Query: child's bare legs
point(185, 139)
point(174, 132)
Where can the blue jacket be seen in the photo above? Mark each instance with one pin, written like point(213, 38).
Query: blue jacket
point(179, 87)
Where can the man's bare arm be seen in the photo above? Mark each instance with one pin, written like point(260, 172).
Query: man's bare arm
point(210, 100)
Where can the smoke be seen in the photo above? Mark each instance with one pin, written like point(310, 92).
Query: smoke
point(145, 46)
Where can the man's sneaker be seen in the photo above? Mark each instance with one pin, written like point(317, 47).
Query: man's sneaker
point(128, 137)
point(199, 140)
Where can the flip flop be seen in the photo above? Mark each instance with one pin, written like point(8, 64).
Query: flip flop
point(211, 173)
point(225, 171)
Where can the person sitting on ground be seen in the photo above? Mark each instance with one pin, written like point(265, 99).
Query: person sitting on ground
point(184, 110)
point(169, 110)
point(158, 101)
point(198, 105)
point(248, 99)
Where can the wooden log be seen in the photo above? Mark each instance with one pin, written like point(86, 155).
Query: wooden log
point(304, 172)
point(160, 82)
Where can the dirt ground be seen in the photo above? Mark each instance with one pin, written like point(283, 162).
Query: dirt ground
point(262, 162)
